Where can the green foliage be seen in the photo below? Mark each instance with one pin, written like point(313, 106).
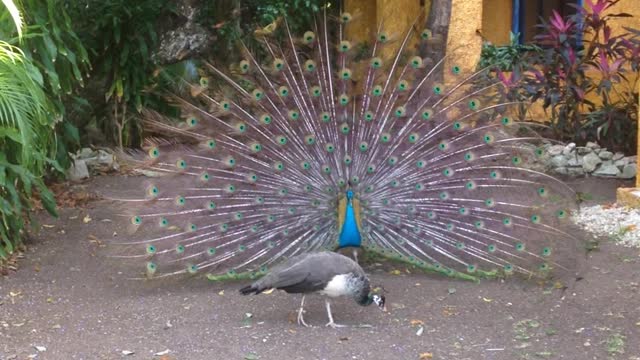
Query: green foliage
point(17, 185)
point(236, 20)
point(25, 143)
point(51, 44)
point(41, 66)
point(506, 57)
point(121, 36)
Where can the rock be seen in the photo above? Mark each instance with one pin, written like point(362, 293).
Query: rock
point(607, 169)
point(575, 171)
point(620, 163)
point(78, 170)
point(561, 170)
point(84, 153)
point(629, 171)
point(575, 161)
point(632, 159)
point(584, 150)
point(605, 155)
point(592, 145)
point(186, 39)
point(617, 156)
point(559, 161)
point(555, 150)
point(569, 148)
point(590, 162)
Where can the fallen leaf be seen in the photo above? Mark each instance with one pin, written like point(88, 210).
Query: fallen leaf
point(268, 291)
point(395, 272)
point(425, 356)
point(162, 353)
point(87, 219)
point(221, 293)
point(416, 322)
point(449, 310)
point(487, 299)
point(40, 348)
point(420, 331)
point(15, 293)
point(251, 356)
point(48, 226)
point(127, 352)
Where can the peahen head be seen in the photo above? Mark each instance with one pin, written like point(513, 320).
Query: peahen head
point(372, 298)
point(378, 300)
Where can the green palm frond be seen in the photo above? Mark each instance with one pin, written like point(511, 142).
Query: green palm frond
point(15, 14)
point(23, 111)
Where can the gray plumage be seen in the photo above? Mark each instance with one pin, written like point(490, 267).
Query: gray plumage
point(325, 273)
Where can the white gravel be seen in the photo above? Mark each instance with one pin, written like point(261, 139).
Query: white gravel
point(621, 224)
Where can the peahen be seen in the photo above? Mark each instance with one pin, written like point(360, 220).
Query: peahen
point(323, 144)
point(325, 273)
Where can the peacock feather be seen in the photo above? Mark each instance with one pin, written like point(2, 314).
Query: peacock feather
point(319, 147)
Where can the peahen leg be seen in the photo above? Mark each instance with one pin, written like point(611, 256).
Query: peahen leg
point(331, 323)
point(300, 314)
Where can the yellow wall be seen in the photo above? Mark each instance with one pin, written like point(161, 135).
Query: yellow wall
point(464, 42)
point(395, 16)
point(496, 21)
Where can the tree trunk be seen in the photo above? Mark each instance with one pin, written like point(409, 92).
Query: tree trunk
point(438, 23)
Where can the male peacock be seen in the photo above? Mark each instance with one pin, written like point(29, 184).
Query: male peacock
point(326, 145)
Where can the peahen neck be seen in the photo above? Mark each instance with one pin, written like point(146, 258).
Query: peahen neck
point(363, 296)
point(350, 235)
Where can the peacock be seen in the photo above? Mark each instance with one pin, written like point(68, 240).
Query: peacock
point(321, 144)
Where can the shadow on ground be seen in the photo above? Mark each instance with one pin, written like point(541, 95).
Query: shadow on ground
point(69, 300)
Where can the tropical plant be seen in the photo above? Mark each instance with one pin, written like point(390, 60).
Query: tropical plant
point(121, 36)
point(581, 76)
point(26, 144)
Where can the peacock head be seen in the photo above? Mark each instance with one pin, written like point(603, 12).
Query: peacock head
point(349, 194)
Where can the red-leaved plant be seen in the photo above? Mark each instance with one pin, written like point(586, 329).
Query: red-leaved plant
point(586, 77)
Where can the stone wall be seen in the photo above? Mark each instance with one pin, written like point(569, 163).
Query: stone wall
point(591, 160)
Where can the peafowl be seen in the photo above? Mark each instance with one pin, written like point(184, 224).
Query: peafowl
point(325, 273)
point(320, 144)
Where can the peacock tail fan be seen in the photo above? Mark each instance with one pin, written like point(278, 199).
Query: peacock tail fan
point(437, 171)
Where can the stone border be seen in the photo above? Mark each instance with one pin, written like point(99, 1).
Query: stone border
point(591, 160)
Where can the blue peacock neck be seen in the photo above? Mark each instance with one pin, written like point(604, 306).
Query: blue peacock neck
point(350, 229)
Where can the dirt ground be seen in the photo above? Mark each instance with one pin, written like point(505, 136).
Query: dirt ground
point(66, 302)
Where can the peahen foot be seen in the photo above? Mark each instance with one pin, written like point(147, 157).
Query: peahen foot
point(300, 314)
point(331, 323)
